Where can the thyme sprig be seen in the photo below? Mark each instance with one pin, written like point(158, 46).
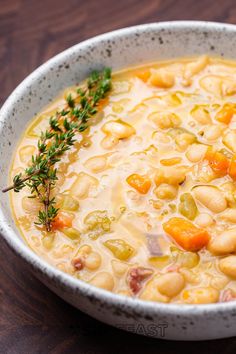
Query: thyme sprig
point(41, 176)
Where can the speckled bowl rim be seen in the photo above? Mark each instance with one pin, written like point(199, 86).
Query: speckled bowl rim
point(66, 280)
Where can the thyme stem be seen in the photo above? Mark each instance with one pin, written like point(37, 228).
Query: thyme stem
point(22, 180)
point(41, 176)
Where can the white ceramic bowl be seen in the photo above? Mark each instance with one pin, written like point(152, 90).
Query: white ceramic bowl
point(117, 49)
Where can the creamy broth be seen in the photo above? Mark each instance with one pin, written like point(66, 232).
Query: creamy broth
point(149, 187)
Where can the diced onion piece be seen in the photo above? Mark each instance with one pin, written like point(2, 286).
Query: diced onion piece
point(195, 67)
point(69, 203)
point(201, 114)
point(72, 233)
point(120, 248)
point(187, 206)
point(212, 84)
point(165, 120)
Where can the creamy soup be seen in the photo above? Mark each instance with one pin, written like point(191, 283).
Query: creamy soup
point(147, 194)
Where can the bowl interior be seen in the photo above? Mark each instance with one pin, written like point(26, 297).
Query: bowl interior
point(117, 49)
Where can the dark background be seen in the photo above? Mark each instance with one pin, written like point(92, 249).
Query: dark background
point(33, 319)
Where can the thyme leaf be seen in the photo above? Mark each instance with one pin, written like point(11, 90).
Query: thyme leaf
point(41, 176)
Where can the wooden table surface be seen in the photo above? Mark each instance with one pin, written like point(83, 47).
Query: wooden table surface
point(32, 318)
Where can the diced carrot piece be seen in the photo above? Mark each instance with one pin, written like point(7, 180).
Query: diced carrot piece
point(62, 221)
point(226, 113)
point(143, 75)
point(170, 162)
point(217, 161)
point(141, 183)
point(102, 103)
point(232, 168)
point(186, 234)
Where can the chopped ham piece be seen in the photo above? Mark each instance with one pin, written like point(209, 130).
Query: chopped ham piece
point(78, 263)
point(136, 277)
point(227, 295)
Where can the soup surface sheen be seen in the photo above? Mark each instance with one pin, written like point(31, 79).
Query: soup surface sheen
point(149, 189)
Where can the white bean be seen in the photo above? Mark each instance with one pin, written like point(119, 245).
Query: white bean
point(151, 293)
point(103, 280)
point(229, 140)
point(228, 266)
point(173, 175)
point(165, 120)
point(30, 205)
point(166, 191)
point(229, 190)
point(201, 115)
point(211, 197)
point(212, 84)
point(93, 261)
point(212, 132)
point(196, 152)
point(118, 128)
point(201, 295)
point(109, 141)
point(224, 243)
point(219, 282)
point(184, 140)
point(84, 251)
point(228, 86)
point(82, 185)
point(229, 215)
point(204, 220)
point(170, 284)
point(96, 163)
point(48, 241)
point(119, 268)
